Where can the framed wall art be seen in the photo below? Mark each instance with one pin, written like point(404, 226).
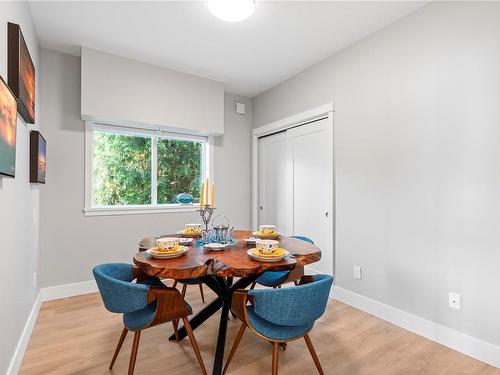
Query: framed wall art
point(38, 157)
point(8, 123)
point(21, 73)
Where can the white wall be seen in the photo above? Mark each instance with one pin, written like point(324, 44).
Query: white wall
point(123, 90)
point(417, 137)
point(72, 244)
point(19, 204)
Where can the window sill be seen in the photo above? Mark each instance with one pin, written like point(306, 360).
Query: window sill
point(139, 210)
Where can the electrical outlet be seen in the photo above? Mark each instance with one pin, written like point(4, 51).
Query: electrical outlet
point(358, 272)
point(454, 300)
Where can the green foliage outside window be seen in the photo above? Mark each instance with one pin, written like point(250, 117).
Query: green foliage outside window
point(122, 169)
point(179, 169)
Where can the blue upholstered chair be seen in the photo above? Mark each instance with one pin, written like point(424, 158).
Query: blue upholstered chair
point(275, 279)
point(143, 304)
point(282, 315)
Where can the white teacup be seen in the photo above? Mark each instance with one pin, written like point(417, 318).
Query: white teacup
point(190, 228)
point(266, 246)
point(267, 229)
point(167, 243)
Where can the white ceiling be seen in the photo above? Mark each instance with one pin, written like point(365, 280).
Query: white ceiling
point(279, 40)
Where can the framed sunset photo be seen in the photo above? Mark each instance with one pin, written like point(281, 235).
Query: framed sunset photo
point(21, 73)
point(8, 123)
point(38, 157)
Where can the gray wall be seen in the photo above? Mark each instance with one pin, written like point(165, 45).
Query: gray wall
point(71, 244)
point(233, 163)
point(120, 89)
point(417, 138)
point(19, 204)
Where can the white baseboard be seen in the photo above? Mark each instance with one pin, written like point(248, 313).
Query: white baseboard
point(471, 346)
point(67, 290)
point(17, 358)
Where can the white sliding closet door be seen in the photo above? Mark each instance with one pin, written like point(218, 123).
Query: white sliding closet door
point(274, 168)
point(295, 185)
point(312, 188)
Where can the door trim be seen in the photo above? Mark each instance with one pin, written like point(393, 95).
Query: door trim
point(325, 110)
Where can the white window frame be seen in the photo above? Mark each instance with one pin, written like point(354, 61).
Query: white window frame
point(156, 132)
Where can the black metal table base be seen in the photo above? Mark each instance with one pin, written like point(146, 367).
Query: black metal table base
point(224, 289)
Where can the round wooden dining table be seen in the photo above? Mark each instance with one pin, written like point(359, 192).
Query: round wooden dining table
point(217, 269)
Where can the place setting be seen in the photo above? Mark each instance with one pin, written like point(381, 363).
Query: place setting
point(190, 231)
point(267, 251)
point(167, 248)
point(267, 232)
point(151, 242)
point(267, 247)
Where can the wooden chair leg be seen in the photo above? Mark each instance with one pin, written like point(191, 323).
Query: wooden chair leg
point(201, 292)
point(276, 353)
point(313, 353)
point(253, 285)
point(194, 344)
point(119, 346)
point(175, 284)
point(133, 353)
point(295, 282)
point(175, 323)
point(184, 287)
point(235, 346)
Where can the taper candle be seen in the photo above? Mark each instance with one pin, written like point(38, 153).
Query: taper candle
point(213, 195)
point(207, 188)
point(202, 195)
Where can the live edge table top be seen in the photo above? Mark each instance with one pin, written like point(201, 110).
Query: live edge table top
point(233, 261)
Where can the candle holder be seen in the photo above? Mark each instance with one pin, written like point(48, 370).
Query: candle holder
point(206, 215)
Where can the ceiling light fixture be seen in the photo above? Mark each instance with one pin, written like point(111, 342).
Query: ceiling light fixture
point(231, 10)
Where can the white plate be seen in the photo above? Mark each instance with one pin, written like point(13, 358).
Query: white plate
point(215, 246)
point(250, 241)
point(266, 259)
point(186, 240)
point(168, 256)
point(267, 237)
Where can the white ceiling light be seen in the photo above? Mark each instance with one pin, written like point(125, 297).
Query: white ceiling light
point(231, 10)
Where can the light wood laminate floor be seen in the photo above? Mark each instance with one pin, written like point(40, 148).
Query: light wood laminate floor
point(78, 336)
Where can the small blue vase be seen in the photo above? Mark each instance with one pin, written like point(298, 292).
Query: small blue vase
point(184, 198)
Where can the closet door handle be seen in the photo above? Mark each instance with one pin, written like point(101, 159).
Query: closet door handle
point(261, 208)
point(326, 213)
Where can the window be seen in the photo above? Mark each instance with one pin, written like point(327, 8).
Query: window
point(132, 170)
